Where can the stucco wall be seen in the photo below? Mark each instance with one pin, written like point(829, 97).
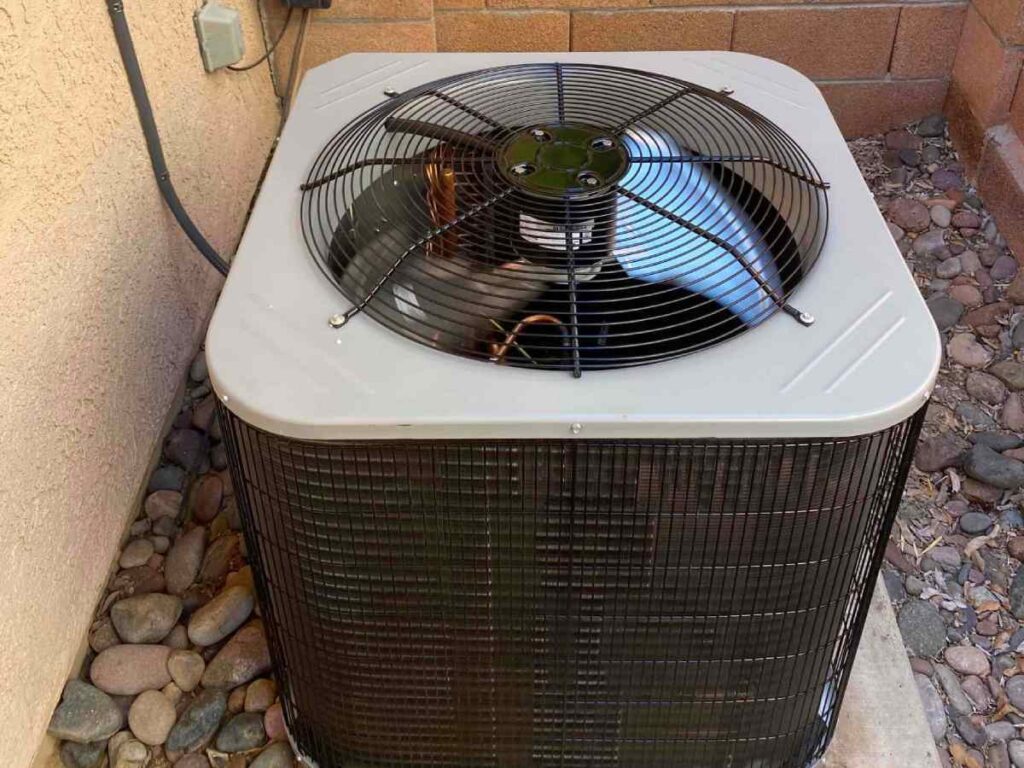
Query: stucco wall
point(103, 301)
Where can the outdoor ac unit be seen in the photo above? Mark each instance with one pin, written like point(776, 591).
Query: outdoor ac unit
point(532, 470)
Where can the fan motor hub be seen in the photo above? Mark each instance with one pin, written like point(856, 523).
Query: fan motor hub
point(563, 160)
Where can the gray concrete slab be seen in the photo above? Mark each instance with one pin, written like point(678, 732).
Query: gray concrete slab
point(882, 723)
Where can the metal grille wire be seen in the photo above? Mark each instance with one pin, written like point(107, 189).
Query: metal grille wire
point(636, 604)
point(564, 216)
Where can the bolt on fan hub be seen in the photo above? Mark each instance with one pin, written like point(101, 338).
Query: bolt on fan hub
point(562, 160)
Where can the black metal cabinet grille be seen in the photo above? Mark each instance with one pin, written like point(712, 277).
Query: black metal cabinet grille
point(565, 603)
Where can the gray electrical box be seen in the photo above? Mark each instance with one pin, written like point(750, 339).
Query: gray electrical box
point(220, 36)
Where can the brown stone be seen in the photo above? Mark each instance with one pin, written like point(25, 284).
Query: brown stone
point(242, 658)
point(990, 314)
point(1012, 416)
point(968, 295)
point(863, 108)
point(820, 42)
point(375, 9)
point(208, 496)
point(985, 71)
point(500, 31)
point(457, 5)
point(979, 491)
point(926, 40)
point(1015, 547)
point(651, 30)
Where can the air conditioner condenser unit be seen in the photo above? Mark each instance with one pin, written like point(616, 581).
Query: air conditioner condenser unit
point(569, 400)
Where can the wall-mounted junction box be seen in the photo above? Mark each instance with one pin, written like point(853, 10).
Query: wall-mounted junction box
point(220, 36)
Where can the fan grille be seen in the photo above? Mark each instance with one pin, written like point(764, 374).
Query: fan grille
point(564, 216)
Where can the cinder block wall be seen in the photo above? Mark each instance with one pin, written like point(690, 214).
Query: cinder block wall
point(986, 109)
point(879, 63)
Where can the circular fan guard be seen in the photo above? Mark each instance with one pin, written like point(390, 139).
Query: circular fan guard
point(564, 216)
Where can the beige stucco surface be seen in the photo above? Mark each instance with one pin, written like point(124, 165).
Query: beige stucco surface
point(102, 303)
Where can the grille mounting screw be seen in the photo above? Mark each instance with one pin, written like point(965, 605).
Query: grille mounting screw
point(726, 91)
point(588, 179)
point(336, 321)
point(540, 134)
point(390, 92)
point(602, 143)
point(521, 169)
point(576, 428)
point(806, 318)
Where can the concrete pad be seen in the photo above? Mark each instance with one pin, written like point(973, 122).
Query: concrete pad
point(882, 721)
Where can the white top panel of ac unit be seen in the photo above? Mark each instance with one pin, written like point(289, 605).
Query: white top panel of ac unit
point(868, 361)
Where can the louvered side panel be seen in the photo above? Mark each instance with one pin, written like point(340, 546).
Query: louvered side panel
point(573, 604)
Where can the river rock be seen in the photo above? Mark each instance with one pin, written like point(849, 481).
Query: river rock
point(186, 669)
point(943, 450)
point(198, 722)
point(958, 701)
point(941, 217)
point(967, 660)
point(242, 658)
point(931, 243)
point(260, 694)
point(985, 387)
point(1004, 268)
point(184, 560)
point(242, 733)
point(1012, 415)
point(85, 714)
point(136, 553)
point(209, 495)
point(138, 581)
point(195, 761)
point(975, 523)
point(908, 214)
point(163, 504)
point(151, 717)
point(1015, 691)
point(273, 722)
point(945, 310)
point(977, 691)
point(131, 754)
point(924, 632)
point(1010, 372)
point(103, 635)
point(984, 464)
point(1016, 753)
point(934, 709)
point(219, 557)
point(145, 618)
point(167, 478)
point(187, 448)
point(126, 670)
point(965, 349)
point(1017, 600)
point(221, 616)
point(75, 755)
point(277, 755)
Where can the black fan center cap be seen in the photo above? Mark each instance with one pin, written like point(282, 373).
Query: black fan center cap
point(563, 160)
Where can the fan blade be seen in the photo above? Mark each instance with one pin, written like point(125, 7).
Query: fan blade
point(690, 191)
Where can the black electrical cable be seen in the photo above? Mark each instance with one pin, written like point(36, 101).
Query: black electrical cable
point(270, 50)
point(123, 36)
